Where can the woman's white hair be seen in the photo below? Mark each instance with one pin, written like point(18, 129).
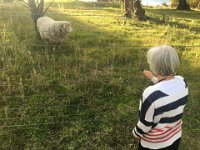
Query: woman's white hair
point(163, 60)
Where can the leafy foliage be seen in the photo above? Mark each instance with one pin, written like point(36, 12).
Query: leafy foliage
point(192, 3)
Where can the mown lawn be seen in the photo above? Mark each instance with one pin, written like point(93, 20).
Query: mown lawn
point(84, 94)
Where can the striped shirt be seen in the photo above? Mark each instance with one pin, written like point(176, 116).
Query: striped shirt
point(160, 113)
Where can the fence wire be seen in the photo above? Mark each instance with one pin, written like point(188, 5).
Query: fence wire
point(9, 122)
point(121, 46)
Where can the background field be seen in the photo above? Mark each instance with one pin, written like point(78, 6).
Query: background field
point(84, 94)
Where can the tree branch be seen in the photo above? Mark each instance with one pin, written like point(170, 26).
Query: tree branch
point(48, 7)
point(26, 5)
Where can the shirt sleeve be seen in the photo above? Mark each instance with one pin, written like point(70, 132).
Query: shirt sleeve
point(145, 122)
point(154, 80)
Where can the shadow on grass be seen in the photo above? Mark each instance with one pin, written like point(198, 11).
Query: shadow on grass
point(176, 13)
point(86, 5)
point(171, 17)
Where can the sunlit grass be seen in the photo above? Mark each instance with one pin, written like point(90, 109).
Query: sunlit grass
point(85, 93)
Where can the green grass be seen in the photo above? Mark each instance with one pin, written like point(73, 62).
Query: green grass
point(85, 93)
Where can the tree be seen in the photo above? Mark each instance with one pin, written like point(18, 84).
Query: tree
point(128, 8)
point(183, 5)
point(189, 4)
point(194, 3)
point(139, 12)
point(37, 10)
point(134, 7)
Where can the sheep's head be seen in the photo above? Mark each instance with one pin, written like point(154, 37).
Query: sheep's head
point(65, 27)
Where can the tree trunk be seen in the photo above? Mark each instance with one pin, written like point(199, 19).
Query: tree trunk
point(134, 6)
point(37, 10)
point(128, 10)
point(139, 11)
point(183, 5)
point(36, 7)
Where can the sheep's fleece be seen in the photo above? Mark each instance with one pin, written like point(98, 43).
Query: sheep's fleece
point(51, 31)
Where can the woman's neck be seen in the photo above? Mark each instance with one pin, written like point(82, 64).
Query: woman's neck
point(162, 78)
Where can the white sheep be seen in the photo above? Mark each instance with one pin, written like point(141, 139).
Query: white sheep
point(51, 31)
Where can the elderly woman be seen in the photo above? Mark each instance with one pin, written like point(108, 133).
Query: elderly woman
point(162, 105)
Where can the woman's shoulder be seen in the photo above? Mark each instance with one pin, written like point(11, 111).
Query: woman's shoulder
point(153, 93)
point(156, 89)
point(179, 77)
point(149, 90)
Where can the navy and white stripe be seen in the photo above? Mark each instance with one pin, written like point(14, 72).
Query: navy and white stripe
point(161, 110)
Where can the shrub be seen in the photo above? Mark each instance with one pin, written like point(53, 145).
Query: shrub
point(194, 3)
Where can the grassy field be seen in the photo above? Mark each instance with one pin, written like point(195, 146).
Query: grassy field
point(84, 94)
